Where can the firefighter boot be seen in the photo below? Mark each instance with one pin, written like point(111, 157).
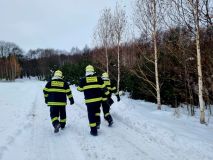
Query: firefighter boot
point(94, 131)
point(57, 126)
point(98, 125)
point(110, 121)
point(62, 125)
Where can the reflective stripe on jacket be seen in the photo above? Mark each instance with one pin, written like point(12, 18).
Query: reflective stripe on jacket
point(93, 88)
point(110, 87)
point(56, 92)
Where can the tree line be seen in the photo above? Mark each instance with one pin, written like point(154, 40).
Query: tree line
point(10, 67)
point(166, 59)
point(151, 18)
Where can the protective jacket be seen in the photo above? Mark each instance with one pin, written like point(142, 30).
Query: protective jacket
point(111, 88)
point(93, 88)
point(56, 92)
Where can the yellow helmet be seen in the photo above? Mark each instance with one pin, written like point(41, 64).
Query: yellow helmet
point(58, 73)
point(105, 75)
point(90, 68)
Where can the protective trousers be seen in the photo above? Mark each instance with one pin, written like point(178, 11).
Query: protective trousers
point(106, 108)
point(93, 110)
point(57, 112)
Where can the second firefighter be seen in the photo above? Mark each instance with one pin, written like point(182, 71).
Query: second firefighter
point(93, 89)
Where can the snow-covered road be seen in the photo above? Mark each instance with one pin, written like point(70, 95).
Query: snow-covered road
point(140, 132)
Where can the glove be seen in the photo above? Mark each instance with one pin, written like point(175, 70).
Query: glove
point(118, 98)
point(71, 101)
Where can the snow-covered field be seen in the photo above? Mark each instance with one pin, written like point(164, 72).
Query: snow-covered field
point(140, 132)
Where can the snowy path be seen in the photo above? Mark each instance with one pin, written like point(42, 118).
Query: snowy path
point(138, 133)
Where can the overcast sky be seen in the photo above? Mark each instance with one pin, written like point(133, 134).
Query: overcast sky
point(59, 24)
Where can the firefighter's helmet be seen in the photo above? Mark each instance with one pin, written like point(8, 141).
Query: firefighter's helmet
point(58, 73)
point(90, 68)
point(105, 75)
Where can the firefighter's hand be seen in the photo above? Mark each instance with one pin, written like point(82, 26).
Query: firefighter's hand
point(71, 101)
point(118, 98)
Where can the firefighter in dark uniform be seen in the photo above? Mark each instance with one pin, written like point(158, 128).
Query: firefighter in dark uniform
point(56, 92)
point(93, 89)
point(107, 100)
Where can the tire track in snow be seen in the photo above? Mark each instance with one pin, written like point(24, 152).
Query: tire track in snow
point(85, 140)
point(123, 133)
point(142, 142)
point(115, 139)
point(11, 139)
point(38, 140)
point(48, 145)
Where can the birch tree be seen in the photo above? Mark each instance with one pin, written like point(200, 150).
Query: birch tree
point(148, 19)
point(118, 26)
point(103, 32)
point(190, 13)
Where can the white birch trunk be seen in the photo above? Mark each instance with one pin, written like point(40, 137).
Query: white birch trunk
point(200, 81)
point(156, 55)
point(199, 66)
point(156, 75)
point(107, 59)
point(118, 52)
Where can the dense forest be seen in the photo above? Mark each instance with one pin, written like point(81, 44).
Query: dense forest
point(160, 65)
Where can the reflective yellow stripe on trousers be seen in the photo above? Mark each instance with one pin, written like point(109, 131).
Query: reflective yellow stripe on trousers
point(97, 114)
point(63, 120)
point(93, 100)
point(92, 124)
point(106, 114)
point(54, 119)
